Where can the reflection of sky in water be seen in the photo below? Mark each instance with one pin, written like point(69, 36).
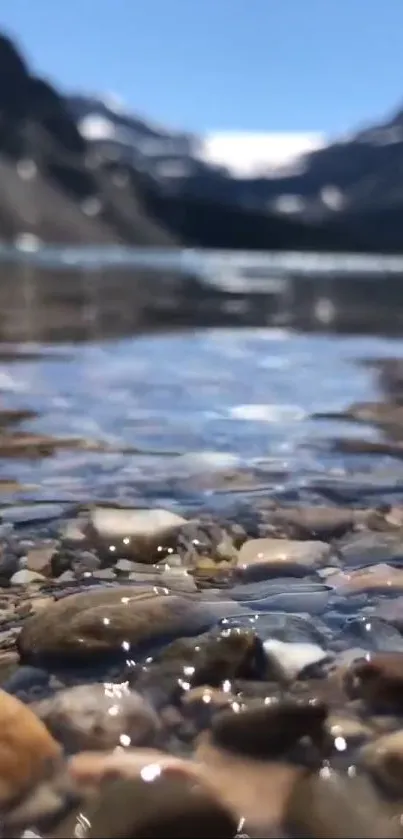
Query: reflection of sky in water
point(241, 393)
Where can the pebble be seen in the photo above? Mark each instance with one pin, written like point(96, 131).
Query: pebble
point(144, 535)
point(39, 558)
point(98, 716)
point(25, 576)
point(256, 790)
point(27, 749)
point(269, 730)
point(379, 578)
point(377, 679)
point(319, 522)
point(113, 619)
point(289, 660)
point(282, 556)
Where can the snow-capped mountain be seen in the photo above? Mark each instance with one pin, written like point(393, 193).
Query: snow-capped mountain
point(81, 169)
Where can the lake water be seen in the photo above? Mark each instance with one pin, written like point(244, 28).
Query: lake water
point(112, 395)
point(197, 409)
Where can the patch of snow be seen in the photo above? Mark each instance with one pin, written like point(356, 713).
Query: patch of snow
point(245, 154)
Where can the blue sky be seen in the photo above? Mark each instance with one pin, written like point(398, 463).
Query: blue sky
point(253, 65)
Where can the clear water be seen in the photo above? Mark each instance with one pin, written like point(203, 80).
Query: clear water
point(196, 407)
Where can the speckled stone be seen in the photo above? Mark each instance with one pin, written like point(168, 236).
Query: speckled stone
point(98, 716)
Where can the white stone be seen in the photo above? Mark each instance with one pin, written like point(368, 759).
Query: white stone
point(119, 523)
point(25, 576)
point(292, 658)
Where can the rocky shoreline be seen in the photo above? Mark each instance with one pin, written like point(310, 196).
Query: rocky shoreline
point(204, 673)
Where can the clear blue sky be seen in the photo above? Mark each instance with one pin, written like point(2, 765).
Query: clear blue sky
point(223, 64)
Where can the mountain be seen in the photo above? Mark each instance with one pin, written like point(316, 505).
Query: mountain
point(79, 169)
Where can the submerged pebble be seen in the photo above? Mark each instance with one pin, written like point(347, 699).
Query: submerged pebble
point(112, 620)
point(98, 716)
point(144, 535)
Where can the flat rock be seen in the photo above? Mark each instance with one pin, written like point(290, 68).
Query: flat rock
point(98, 716)
point(27, 749)
point(143, 535)
point(290, 659)
point(282, 556)
point(113, 619)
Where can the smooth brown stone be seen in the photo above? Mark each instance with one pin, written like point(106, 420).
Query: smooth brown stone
point(269, 730)
point(111, 619)
point(27, 749)
point(378, 680)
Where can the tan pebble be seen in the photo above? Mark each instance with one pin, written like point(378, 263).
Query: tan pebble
point(90, 768)
point(26, 748)
point(40, 559)
point(280, 553)
point(255, 790)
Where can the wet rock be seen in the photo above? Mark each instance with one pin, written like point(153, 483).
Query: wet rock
point(216, 656)
point(281, 557)
point(144, 535)
point(201, 703)
point(290, 660)
point(112, 619)
point(104, 574)
point(330, 805)
point(392, 612)
point(256, 790)
point(317, 522)
point(125, 565)
point(384, 759)
point(27, 749)
point(39, 559)
point(85, 562)
point(378, 680)
point(152, 805)
point(270, 730)
point(28, 683)
point(347, 729)
point(367, 548)
point(98, 716)
point(379, 578)
point(89, 769)
point(8, 664)
point(373, 633)
point(209, 539)
point(25, 577)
